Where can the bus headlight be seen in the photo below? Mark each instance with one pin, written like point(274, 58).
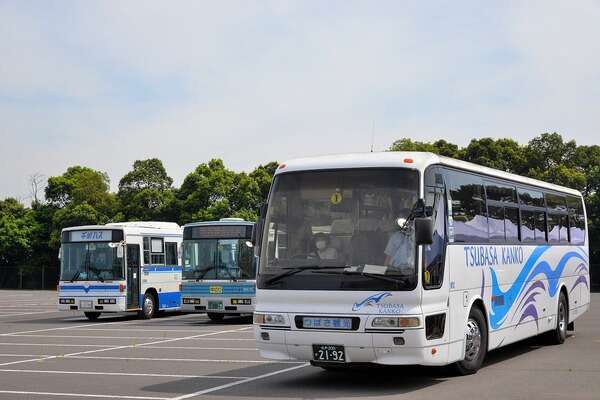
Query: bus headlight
point(66, 301)
point(395, 322)
point(269, 319)
point(107, 301)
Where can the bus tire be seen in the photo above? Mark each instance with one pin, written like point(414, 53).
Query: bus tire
point(92, 315)
point(215, 316)
point(559, 333)
point(476, 343)
point(148, 306)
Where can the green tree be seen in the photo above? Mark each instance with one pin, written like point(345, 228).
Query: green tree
point(205, 191)
point(503, 154)
point(146, 192)
point(82, 185)
point(440, 147)
point(16, 227)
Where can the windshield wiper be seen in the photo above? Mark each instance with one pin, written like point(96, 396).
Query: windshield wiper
point(387, 278)
point(294, 270)
point(75, 276)
point(204, 271)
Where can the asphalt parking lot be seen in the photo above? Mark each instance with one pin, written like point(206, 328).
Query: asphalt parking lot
point(47, 354)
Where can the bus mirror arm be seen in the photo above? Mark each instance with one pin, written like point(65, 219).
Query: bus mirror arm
point(423, 230)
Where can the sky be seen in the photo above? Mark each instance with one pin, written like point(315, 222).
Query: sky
point(105, 83)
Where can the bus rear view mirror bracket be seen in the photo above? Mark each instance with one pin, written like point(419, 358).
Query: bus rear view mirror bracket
point(423, 230)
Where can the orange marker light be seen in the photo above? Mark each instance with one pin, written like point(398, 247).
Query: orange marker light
point(433, 351)
point(282, 166)
point(408, 160)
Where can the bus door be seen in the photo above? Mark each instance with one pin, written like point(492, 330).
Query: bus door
point(133, 276)
point(434, 276)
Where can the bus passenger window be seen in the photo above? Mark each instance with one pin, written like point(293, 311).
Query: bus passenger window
point(576, 220)
point(469, 217)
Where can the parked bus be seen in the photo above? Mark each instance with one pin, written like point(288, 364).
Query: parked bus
point(219, 271)
point(413, 258)
point(128, 266)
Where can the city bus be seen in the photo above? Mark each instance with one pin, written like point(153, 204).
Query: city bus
point(219, 271)
point(414, 258)
point(127, 266)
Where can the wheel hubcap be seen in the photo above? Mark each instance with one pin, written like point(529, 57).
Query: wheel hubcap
point(148, 305)
point(562, 318)
point(473, 342)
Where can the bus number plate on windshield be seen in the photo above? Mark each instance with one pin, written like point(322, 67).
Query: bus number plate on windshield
point(329, 353)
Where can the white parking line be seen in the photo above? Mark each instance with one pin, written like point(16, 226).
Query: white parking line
point(55, 329)
point(146, 330)
point(99, 337)
point(199, 360)
point(228, 385)
point(120, 347)
point(27, 313)
point(54, 344)
point(202, 348)
point(36, 371)
point(103, 396)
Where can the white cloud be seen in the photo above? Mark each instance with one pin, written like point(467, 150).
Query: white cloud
point(108, 83)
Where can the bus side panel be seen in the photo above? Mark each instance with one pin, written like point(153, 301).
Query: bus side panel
point(519, 286)
point(166, 281)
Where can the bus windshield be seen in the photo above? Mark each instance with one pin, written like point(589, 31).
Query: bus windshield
point(340, 230)
point(228, 259)
point(90, 261)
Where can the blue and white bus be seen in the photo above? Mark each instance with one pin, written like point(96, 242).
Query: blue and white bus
point(413, 258)
point(219, 271)
point(128, 266)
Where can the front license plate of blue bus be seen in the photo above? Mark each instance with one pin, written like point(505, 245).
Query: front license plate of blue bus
point(85, 304)
point(329, 353)
point(215, 305)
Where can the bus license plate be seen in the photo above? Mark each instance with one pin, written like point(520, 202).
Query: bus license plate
point(215, 305)
point(87, 304)
point(329, 353)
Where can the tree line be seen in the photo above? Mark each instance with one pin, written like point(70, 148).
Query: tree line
point(30, 235)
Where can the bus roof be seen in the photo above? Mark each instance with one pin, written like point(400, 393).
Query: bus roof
point(134, 227)
point(406, 159)
point(223, 221)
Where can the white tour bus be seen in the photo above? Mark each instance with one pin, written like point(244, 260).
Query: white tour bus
point(219, 271)
point(414, 258)
point(128, 266)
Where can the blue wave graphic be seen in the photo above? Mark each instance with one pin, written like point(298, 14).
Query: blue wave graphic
point(530, 270)
point(371, 300)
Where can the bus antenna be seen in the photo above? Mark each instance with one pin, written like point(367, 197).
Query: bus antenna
point(372, 135)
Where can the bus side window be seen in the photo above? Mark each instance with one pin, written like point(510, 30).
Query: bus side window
point(433, 254)
point(171, 253)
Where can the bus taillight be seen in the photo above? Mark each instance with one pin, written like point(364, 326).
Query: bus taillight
point(121, 287)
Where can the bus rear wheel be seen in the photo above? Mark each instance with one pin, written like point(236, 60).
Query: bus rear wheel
point(91, 315)
point(476, 342)
point(559, 334)
point(148, 307)
point(215, 316)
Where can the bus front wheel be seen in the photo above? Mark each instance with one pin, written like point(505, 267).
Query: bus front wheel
point(215, 316)
point(476, 342)
point(92, 316)
point(148, 307)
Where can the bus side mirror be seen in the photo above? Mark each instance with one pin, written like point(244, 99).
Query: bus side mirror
point(423, 230)
point(119, 251)
point(59, 252)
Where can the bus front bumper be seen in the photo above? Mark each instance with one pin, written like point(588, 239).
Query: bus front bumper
point(92, 304)
point(359, 347)
point(215, 304)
